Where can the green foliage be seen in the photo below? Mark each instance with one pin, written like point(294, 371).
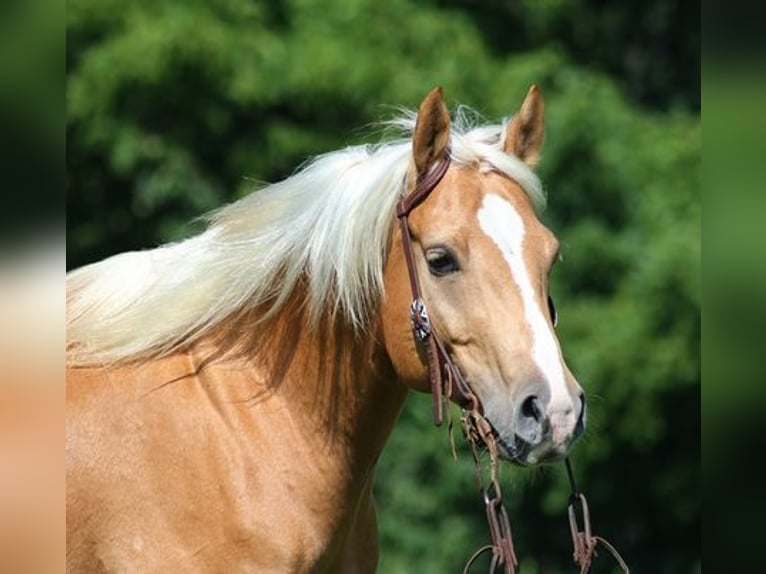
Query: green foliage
point(176, 108)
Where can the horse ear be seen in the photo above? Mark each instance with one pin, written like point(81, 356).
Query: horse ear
point(524, 133)
point(431, 131)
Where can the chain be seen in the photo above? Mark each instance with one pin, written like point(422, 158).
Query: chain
point(478, 432)
point(583, 541)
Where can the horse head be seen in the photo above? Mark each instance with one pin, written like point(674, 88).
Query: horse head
point(483, 259)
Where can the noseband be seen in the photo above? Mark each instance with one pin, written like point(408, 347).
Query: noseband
point(447, 383)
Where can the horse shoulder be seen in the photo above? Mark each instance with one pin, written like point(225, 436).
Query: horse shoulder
point(172, 466)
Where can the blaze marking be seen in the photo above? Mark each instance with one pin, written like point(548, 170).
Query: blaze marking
point(501, 222)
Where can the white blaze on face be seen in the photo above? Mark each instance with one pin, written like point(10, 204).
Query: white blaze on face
point(502, 223)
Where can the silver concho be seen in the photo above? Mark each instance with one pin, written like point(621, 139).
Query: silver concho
point(421, 325)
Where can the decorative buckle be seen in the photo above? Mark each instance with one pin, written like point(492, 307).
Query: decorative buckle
point(421, 324)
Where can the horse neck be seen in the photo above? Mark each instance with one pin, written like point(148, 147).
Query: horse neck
point(339, 384)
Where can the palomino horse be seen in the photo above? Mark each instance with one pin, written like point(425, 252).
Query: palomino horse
point(228, 396)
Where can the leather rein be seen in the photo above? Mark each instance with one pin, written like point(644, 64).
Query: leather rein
point(447, 383)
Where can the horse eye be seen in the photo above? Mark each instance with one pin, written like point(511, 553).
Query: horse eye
point(552, 311)
point(441, 262)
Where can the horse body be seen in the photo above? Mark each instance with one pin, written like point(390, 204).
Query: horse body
point(225, 464)
point(228, 397)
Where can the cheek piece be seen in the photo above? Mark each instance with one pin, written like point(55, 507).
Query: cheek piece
point(446, 380)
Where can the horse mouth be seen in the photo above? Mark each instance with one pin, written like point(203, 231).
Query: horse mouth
point(522, 453)
point(514, 453)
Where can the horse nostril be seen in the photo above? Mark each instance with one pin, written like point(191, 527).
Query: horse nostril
point(530, 421)
point(530, 409)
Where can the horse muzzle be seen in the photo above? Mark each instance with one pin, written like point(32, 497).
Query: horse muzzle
point(541, 432)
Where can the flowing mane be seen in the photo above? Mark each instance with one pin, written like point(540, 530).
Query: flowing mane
point(327, 227)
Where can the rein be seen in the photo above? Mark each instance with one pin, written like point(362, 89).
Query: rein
point(447, 383)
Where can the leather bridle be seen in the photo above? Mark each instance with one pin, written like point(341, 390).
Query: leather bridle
point(446, 380)
point(448, 383)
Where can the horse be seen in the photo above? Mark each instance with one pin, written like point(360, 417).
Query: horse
point(228, 395)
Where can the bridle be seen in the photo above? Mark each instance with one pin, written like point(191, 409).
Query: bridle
point(448, 383)
point(446, 379)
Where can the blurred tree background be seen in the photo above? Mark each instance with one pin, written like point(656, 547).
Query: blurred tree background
point(175, 108)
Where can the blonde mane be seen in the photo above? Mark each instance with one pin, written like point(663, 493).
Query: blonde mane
point(327, 225)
